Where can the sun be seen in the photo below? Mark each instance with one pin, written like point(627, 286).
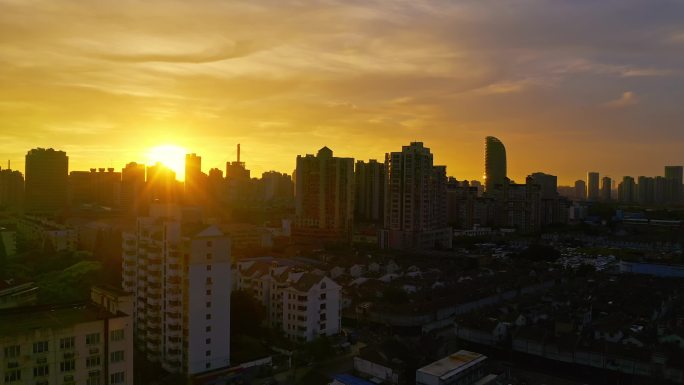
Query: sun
point(171, 156)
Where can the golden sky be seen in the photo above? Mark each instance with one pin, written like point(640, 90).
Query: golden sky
point(568, 86)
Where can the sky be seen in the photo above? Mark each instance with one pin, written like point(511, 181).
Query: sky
point(568, 86)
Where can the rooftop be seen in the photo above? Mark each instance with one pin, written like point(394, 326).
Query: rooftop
point(22, 320)
point(449, 366)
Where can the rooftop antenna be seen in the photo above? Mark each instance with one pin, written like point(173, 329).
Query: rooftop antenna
point(238, 153)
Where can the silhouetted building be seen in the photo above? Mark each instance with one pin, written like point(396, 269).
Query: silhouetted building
point(324, 196)
point(673, 183)
point(238, 181)
point(519, 206)
point(462, 199)
point(495, 163)
point(659, 189)
point(645, 190)
point(46, 180)
point(552, 208)
point(370, 179)
point(547, 182)
point(11, 189)
point(606, 189)
point(593, 186)
point(580, 190)
point(161, 184)
point(415, 201)
point(627, 190)
point(133, 197)
point(195, 180)
point(277, 188)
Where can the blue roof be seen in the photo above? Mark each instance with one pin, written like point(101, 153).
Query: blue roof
point(348, 379)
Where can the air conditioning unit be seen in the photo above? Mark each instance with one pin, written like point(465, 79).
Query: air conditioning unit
point(68, 356)
point(94, 350)
point(41, 360)
point(12, 365)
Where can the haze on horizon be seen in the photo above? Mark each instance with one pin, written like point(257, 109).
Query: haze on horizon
point(568, 87)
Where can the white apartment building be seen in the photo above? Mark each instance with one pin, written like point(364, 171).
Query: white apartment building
point(179, 270)
point(305, 305)
point(86, 343)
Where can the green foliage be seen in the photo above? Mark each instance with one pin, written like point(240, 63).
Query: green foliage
point(394, 296)
point(69, 285)
point(319, 349)
point(246, 314)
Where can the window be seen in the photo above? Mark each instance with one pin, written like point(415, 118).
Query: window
point(93, 338)
point(207, 353)
point(208, 328)
point(208, 316)
point(207, 365)
point(67, 366)
point(322, 295)
point(12, 376)
point(208, 243)
point(208, 291)
point(208, 304)
point(12, 351)
point(209, 256)
point(208, 341)
point(209, 281)
point(208, 267)
point(67, 343)
point(41, 371)
point(322, 285)
point(92, 361)
point(40, 347)
point(116, 356)
point(118, 378)
point(117, 335)
point(322, 307)
point(93, 377)
point(323, 326)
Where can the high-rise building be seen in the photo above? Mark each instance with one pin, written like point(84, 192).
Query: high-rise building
point(659, 189)
point(11, 189)
point(548, 184)
point(179, 270)
point(369, 187)
point(627, 190)
point(96, 186)
point(519, 206)
point(495, 163)
point(132, 198)
point(238, 181)
point(415, 201)
point(46, 180)
point(324, 195)
point(645, 190)
point(195, 180)
point(161, 185)
point(580, 190)
point(277, 188)
point(76, 343)
point(673, 184)
point(462, 204)
point(606, 189)
point(593, 186)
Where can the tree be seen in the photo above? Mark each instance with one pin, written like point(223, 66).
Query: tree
point(246, 314)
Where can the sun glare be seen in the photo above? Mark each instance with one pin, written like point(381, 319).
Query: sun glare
point(171, 156)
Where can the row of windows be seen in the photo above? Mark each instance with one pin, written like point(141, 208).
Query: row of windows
point(64, 343)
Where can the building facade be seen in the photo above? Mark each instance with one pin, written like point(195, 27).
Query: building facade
point(415, 201)
point(370, 193)
point(179, 271)
point(495, 163)
point(324, 196)
point(46, 189)
point(85, 343)
point(592, 186)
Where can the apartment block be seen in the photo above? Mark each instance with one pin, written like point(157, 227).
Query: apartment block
point(179, 270)
point(304, 304)
point(88, 343)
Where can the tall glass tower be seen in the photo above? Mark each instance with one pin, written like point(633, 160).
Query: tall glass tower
point(495, 163)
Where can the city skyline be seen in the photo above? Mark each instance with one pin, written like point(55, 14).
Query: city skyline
point(372, 77)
